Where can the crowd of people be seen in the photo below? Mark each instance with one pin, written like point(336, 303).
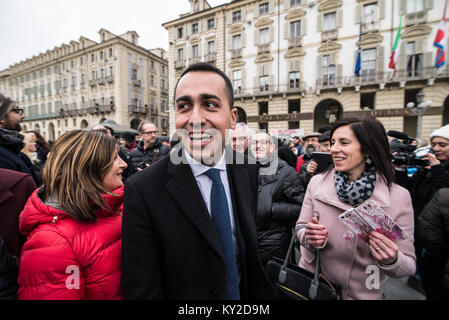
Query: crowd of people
point(100, 215)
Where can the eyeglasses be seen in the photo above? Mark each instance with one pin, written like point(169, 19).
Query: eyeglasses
point(19, 111)
point(149, 132)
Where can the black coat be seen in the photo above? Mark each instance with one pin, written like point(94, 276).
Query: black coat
point(423, 185)
point(140, 154)
point(433, 233)
point(278, 207)
point(170, 249)
point(11, 157)
point(8, 273)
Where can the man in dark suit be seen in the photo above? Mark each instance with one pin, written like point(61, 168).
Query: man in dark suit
point(188, 234)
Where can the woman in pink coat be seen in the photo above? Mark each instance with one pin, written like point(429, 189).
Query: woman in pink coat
point(362, 171)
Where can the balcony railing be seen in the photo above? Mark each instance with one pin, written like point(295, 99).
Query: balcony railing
point(110, 79)
point(329, 35)
point(370, 26)
point(194, 60)
point(375, 78)
point(101, 81)
point(136, 109)
point(136, 83)
point(263, 48)
point(180, 64)
point(236, 53)
point(105, 108)
point(416, 17)
point(210, 58)
point(295, 42)
point(92, 83)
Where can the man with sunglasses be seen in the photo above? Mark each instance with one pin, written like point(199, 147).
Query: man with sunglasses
point(11, 141)
point(150, 148)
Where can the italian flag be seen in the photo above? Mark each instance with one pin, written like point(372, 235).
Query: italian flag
point(396, 49)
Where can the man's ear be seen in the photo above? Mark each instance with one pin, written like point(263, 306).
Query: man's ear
point(233, 118)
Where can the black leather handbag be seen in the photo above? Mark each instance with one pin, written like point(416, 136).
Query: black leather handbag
point(295, 283)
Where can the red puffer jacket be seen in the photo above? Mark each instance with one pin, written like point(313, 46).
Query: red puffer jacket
point(65, 259)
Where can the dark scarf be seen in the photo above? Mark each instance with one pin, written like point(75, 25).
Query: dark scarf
point(355, 192)
point(11, 140)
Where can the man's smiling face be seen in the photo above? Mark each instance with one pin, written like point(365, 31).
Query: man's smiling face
point(203, 115)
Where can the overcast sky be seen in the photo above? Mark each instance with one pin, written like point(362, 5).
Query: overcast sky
point(30, 27)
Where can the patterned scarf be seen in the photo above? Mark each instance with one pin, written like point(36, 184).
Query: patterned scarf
point(355, 192)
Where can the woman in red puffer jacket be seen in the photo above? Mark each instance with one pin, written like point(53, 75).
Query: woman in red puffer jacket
point(73, 222)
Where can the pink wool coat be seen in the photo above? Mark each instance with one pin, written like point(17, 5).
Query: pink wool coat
point(349, 263)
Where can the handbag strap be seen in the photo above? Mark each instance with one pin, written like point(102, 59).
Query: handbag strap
point(313, 290)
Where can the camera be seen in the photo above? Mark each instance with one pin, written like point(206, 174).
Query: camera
point(406, 153)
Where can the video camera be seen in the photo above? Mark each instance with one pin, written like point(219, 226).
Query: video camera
point(406, 153)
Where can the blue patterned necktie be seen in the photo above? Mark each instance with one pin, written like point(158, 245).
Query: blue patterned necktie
point(220, 217)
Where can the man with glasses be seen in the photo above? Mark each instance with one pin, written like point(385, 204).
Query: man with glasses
point(11, 141)
point(150, 148)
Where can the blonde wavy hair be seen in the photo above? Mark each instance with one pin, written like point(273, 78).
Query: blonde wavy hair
point(75, 169)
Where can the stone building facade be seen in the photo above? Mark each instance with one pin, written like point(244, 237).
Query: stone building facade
point(83, 83)
point(292, 62)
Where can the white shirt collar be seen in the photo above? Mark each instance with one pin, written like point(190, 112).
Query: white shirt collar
point(198, 168)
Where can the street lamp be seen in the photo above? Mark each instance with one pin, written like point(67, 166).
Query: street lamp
point(419, 110)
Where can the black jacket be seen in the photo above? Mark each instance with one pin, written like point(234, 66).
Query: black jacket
point(170, 249)
point(433, 233)
point(140, 154)
point(8, 273)
point(278, 207)
point(11, 157)
point(424, 183)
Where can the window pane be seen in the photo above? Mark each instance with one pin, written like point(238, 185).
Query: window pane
point(236, 42)
point(295, 29)
point(330, 21)
point(369, 13)
point(264, 36)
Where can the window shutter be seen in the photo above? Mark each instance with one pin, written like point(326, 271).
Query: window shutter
point(243, 39)
point(339, 18)
point(402, 63)
point(419, 46)
point(256, 36)
point(286, 30)
point(271, 34)
point(319, 22)
point(339, 72)
point(230, 43)
point(229, 18)
point(428, 60)
point(358, 14)
point(286, 4)
point(380, 61)
point(271, 6)
point(319, 65)
point(402, 7)
point(303, 26)
point(381, 9)
point(332, 59)
point(428, 4)
point(256, 10)
point(243, 11)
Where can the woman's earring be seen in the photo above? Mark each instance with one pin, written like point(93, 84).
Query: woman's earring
point(368, 160)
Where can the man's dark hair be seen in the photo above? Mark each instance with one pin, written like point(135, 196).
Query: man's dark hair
point(373, 140)
point(207, 67)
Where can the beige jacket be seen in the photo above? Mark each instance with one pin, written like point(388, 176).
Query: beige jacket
point(349, 263)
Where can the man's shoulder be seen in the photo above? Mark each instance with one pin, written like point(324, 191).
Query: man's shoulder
point(153, 173)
